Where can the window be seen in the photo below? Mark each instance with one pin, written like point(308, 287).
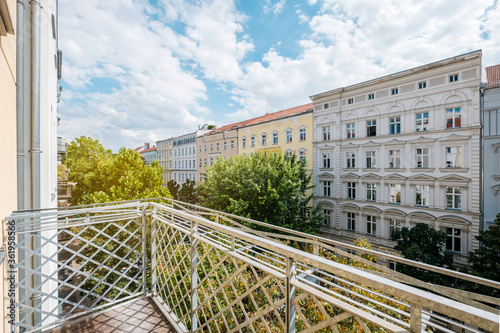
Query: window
point(371, 96)
point(454, 78)
point(275, 138)
point(422, 157)
point(454, 240)
point(370, 159)
point(302, 134)
point(326, 106)
point(395, 158)
point(252, 141)
point(211, 160)
point(422, 85)
point(327, 216)
point(371, 128)
point(350, 101)
point(351, 130)
point(395, 125)
point(326, 133)
point(350, 160)
point(326, 160)
point(453, 118)
point(243, 143)
point(371, 192)
point(289, 135)
point(205, 147)
point(200, 149)
point(351, 221)
point(351, 190)
point(422, 122)
point(232, 144)
point(225, 145)
point(393, 226)
point(302, 156)
point(289, 153)
point(200, 163)
point(205, 162)
point(453, 157)
point(453, 198)
point(263, 139)
point(392, 265)
point(394, 91)
point(218, 146)
point(371, 224)
point(422, 195)
point(395, 193)
point(327, 188)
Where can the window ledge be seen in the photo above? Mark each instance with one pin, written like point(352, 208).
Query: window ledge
point(370, 169)
point(422, 169)
point(350, 169)
point(454, 169)
point(453, 209)
point(394, 169)
point(395, 203)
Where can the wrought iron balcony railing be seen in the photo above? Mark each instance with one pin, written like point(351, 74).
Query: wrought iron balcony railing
point(209, 271)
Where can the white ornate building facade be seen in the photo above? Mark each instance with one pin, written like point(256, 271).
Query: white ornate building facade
point(400, 150)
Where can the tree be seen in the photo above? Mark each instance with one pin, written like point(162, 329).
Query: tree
point(485, 261)
point(84, 154)
point(173, 188)
point(271, 188)
point(424, 244)
point(188, 192)
point(125, 177)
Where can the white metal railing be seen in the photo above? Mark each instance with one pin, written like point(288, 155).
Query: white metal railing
point(208, 272)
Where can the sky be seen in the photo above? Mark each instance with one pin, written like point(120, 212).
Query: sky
point(137, 71)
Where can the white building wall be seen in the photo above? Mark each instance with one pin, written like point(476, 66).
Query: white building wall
point(491, 155)
point(379, 100)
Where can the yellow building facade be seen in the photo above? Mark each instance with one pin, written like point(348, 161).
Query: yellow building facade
point(289, 131)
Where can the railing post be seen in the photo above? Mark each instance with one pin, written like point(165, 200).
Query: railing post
point(315, 247)
point(415, 318)
point(154, 292)
point(144, 257)
point(194, 276)
point(291, 274)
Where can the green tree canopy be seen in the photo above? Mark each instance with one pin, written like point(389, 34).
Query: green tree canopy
point(102, 177)
point(424, 244)
point(188, 192)
point(271, 188)
point(173, 188)
point(485, 261)
point(84, 154)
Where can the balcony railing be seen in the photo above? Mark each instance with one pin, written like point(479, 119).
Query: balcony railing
point(208, 271)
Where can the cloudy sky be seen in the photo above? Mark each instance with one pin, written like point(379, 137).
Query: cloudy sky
point(138, 71)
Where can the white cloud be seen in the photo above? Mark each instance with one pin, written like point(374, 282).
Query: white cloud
point(275, 8)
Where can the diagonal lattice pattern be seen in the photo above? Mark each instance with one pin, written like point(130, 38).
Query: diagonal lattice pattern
point(71, 268)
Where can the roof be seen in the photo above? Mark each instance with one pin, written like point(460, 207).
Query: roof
point(462, 57)
point(267, 117)
point(147, 150)
point(493, 76)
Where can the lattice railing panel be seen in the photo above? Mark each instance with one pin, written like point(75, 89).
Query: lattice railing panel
point(73, 264)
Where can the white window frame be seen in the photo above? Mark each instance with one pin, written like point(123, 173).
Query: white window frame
point(351, 221)
point(326, 162)
point(394, 190)
point(350, 160)
point(395, 125)
point(371, 191)
point(252, 141)
point(394, 158)
point(422, 195)
point(263, 139)
point(350, 130)
point(452, 235)
point(327, 214)
point(275, 138)
point(326, 133)
point(371, 159)
point(422, 121)
point(302, 134)
point(453, 156)
point(351, 190)
point(289, 135)
point(243, 142)
point(394, 224)
point(422, 157)
point(453, 198)
point(327, 188)
point(454, 114)
point(371, 224)
point(371, 124)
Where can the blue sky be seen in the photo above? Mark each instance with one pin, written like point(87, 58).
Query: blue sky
point(138, 71)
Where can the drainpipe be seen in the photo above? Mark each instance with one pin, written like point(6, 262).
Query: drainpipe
point(35, 147)
point(481, 157)
point(21, 204)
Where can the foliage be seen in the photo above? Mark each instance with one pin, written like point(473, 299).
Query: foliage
point(271, 188)
point(424, 244)
point(485, 260)
point(101, 177)
point(173, 188)
point(188, 192)
point(84, 154)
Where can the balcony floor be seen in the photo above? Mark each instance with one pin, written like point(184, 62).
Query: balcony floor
point(140, 316)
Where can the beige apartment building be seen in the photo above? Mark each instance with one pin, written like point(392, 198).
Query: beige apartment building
point(220, 142)
point(289, 131)
point(164, 156)
point(402, 149)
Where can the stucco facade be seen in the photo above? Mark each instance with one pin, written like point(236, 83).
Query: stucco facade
point(221, 142)
point(289, 131)
point(164, 156)
point(400, 150)
point(491, 146)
